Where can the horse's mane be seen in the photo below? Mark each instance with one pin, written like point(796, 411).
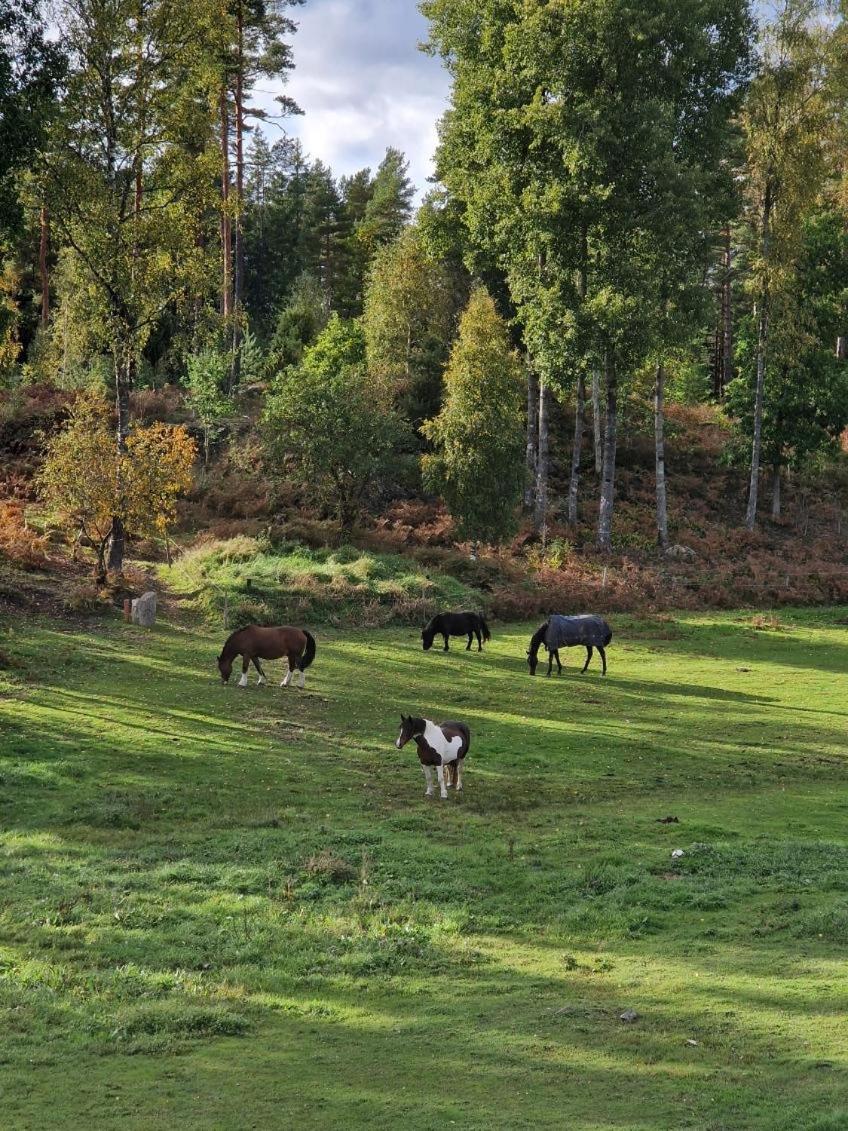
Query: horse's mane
point(538, 637)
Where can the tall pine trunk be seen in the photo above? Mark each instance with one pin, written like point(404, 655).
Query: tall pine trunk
point(762, 351)
point(610, 437)
point(577, 449)
point(541, 512)
point(226, 229)
point(44, 274)
point(597, 428)
point(659, 442)
point(532, 435)
point(238, 281)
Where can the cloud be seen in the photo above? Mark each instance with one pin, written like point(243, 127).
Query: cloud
point(364, 85)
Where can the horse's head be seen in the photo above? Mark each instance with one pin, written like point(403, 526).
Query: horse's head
point(532, 660)
point(405, 732)
point(225, 667)
point(427, 635)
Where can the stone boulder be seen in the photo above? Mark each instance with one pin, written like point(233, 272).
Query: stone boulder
point(144, 610)
point(681, 553)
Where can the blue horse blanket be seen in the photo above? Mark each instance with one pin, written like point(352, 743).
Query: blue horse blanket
point(566, 632)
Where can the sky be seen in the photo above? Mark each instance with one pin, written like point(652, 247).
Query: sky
point(363, 85)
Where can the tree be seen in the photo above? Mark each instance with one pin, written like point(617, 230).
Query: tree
point(256, 47)
point(329, 426)
point(298, 324)
point(205, 378)
point(389, 207)
point(130, 170)
point(786, 119)
point(410, 309)
point(478, 463)
point(91, 484)
point(804, 409)
point(31, 70)
point(572, 127)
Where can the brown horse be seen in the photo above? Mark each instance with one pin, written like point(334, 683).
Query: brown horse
point(254, 644)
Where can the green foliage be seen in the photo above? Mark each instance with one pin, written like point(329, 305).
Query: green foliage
point(31, 69)
point(206, 377)
point(298, 324)
point(325, 416)
point(478, 437)
point(410, 310)
point(805, 405)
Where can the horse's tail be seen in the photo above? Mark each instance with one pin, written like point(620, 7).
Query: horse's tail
point(308, 652)
point(484, 628)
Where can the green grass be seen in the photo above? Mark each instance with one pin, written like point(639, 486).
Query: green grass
point(228, 909)
point(264, 584)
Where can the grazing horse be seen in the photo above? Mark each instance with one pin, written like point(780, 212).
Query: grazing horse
point(441, 746)
point(254, 644)
point(456, 624)
point(568, 632)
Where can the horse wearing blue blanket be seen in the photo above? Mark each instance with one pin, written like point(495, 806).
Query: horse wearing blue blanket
point(589, 632)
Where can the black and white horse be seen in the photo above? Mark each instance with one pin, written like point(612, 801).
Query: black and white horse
point(441, 747)
point(456, 624)
point(589, 632)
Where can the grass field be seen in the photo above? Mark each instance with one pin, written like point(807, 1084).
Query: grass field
point(235, 909)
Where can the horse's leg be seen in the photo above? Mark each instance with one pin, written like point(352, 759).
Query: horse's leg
point(603, 653)
point(559, 665)
point(551, 662)
point(470, 641)
point(262, 680)
point(446, 648)
point(479, 640)
point(289, 673)
point(245, 664)
point(440, 774)
point(459, 775)
point(590, 651)
point(301, 672)
point(428, 778)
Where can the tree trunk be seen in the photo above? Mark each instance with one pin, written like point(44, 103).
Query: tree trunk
point(226, 232)
point(596, 422)
point(44, 275)
point(577, 449)
point(775, 492)
point(610, 436)
point(532, 435)
point(762, 344)
point(842, 347)
point(659, 439)
point(541, 512)
point(238, 282)
point(124, 379)
point(762, 349)
point(727, 315)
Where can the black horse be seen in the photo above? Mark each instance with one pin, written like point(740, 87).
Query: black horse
point(568, 632)
point(456, 624)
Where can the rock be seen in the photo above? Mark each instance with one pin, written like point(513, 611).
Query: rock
point(678, 852)
point(681, 553)
point(144, 610)
point(629, 1016)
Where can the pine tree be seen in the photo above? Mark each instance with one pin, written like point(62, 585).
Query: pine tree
point(478, 466)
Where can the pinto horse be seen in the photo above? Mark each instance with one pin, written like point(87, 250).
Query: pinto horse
point(254, 644)
point(456, 624)
point(441, 746)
